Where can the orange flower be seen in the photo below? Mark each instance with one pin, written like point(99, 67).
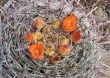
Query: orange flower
point(39, 23)
point(36, 50)
point(69, 23)
point(76, 36)
point(64, 50)
point(55, 58)
point(29, 37)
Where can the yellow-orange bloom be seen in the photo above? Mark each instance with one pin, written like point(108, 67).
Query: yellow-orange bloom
point(56, 23)
point(46, 29)
point(37, 36)
point(39, 23)
point(64, 40)
point(64, 50)
point(49, 52)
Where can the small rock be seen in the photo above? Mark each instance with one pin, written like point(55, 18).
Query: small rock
point(101, 15)
point(67, 8)
point(55, 5)
point(39, 3)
